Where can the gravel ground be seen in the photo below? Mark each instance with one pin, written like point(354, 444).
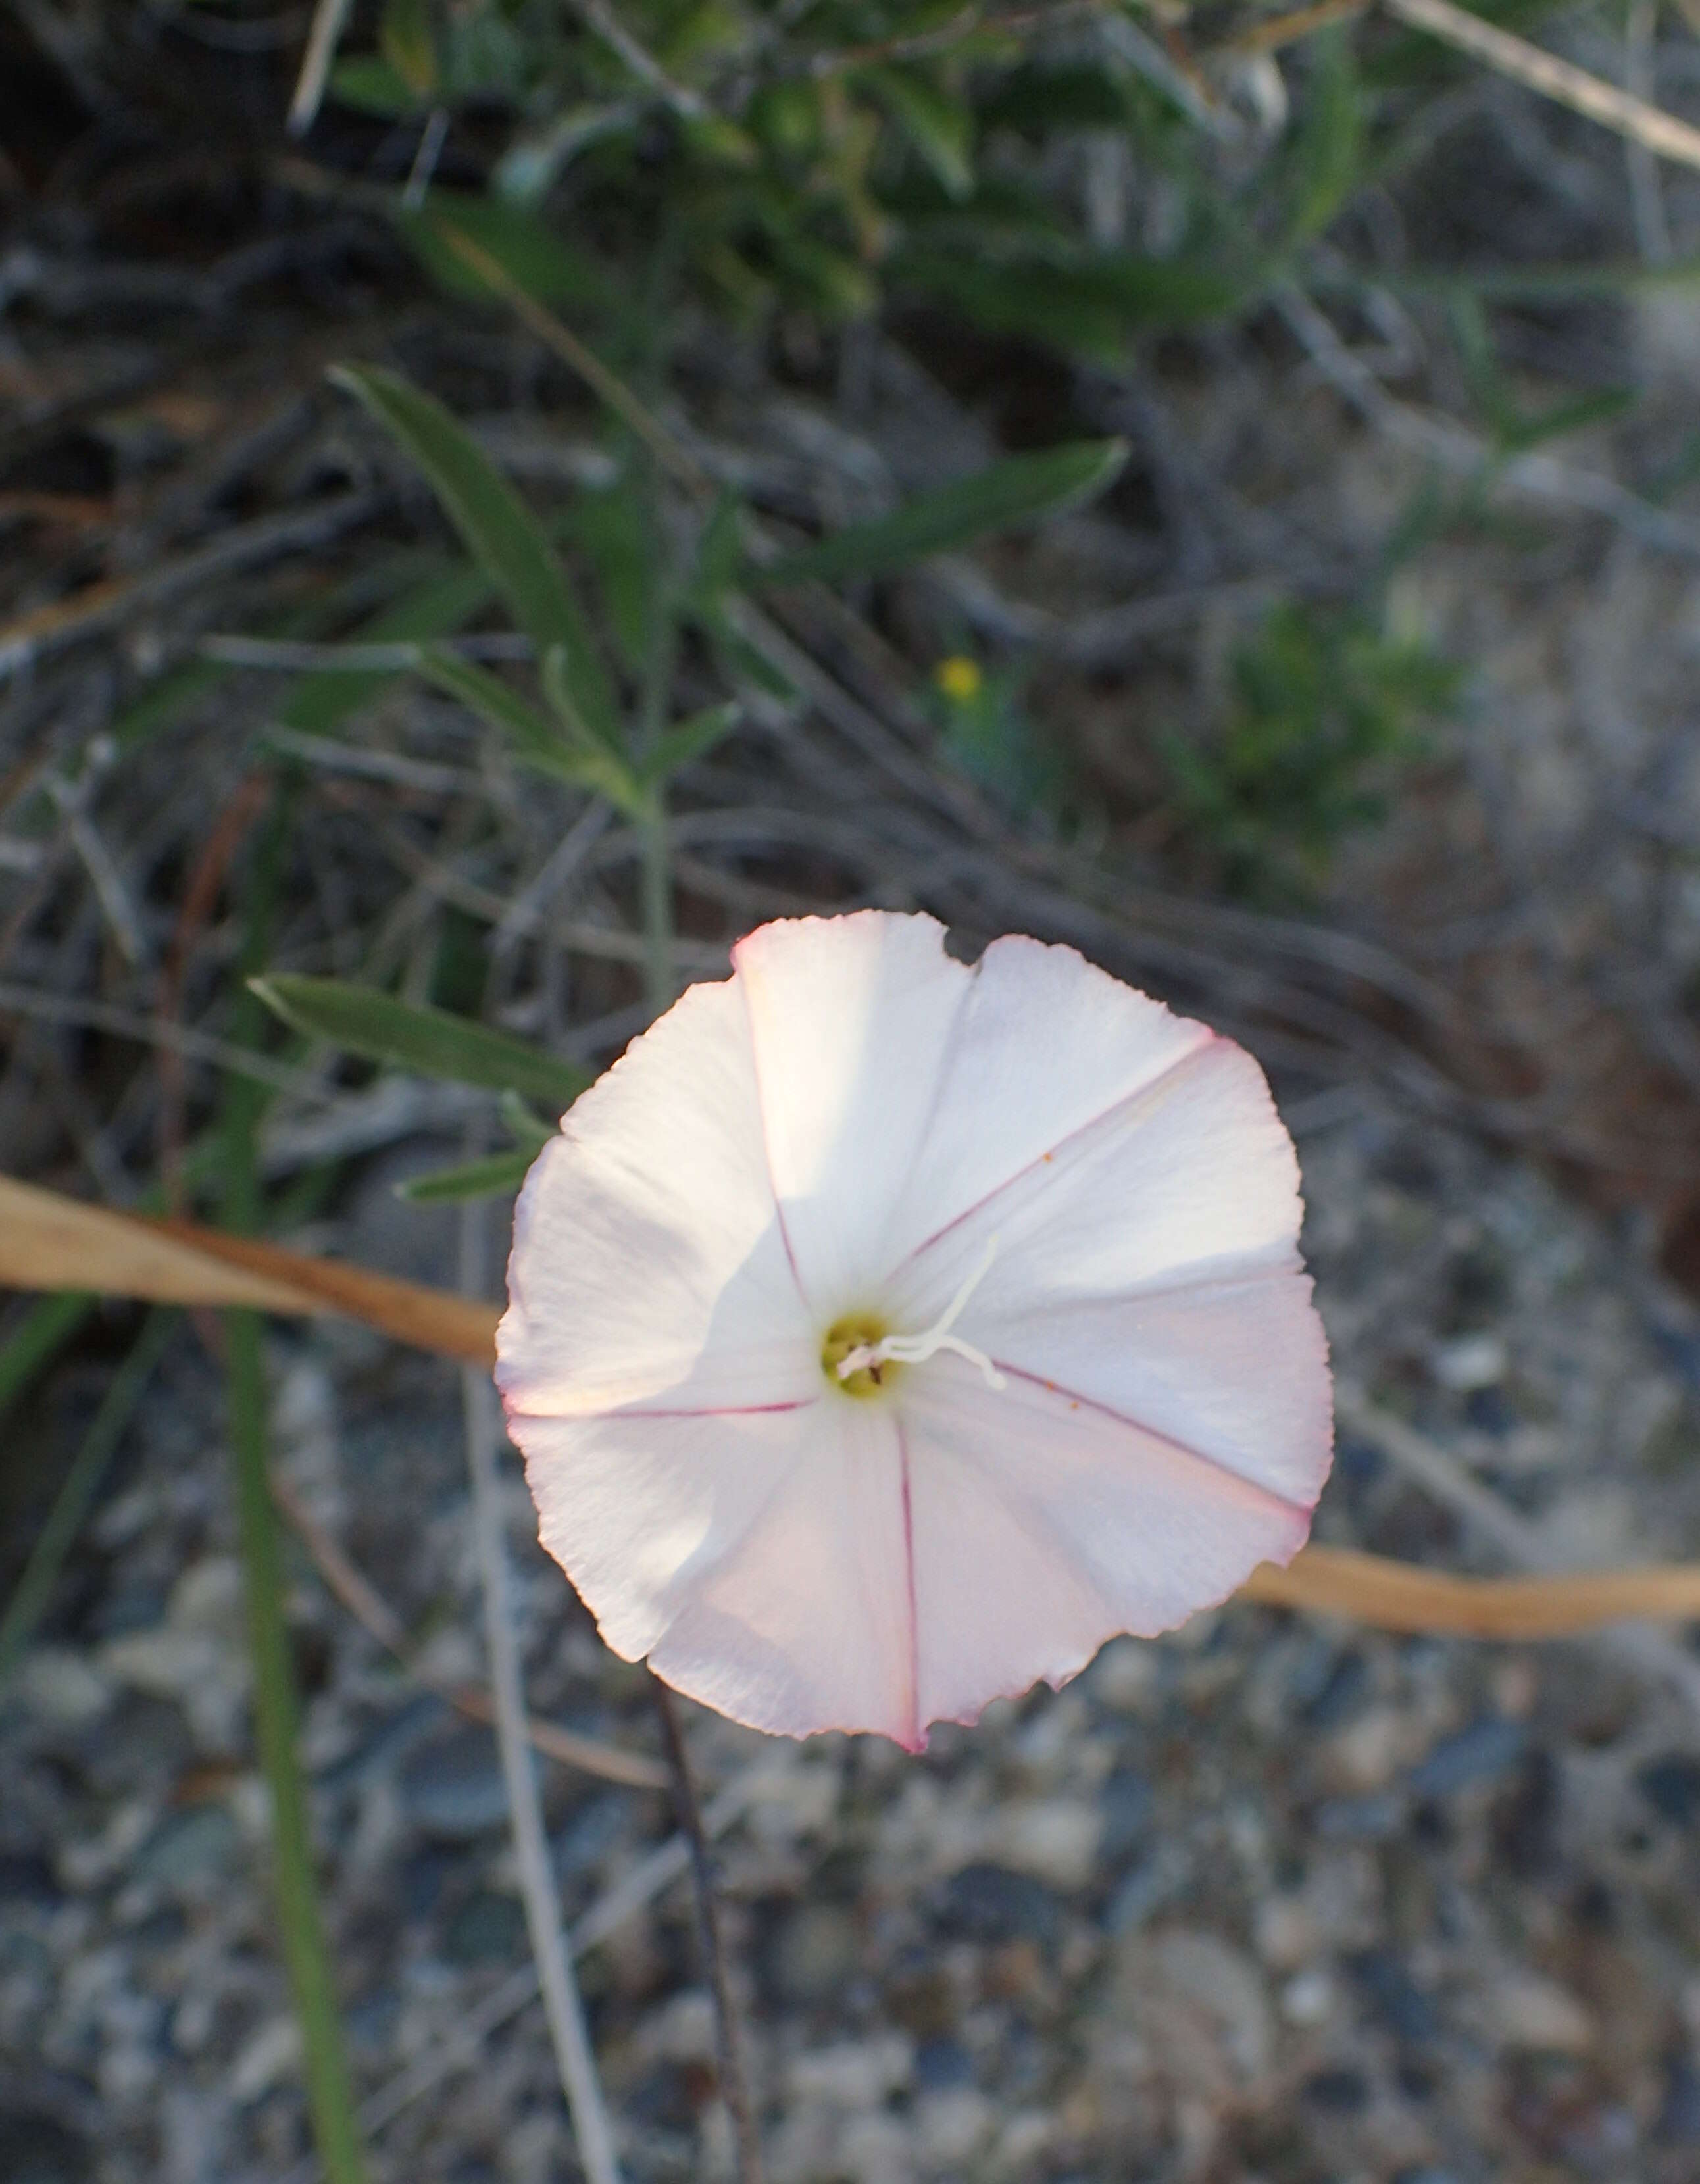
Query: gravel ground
point(1272, 1899)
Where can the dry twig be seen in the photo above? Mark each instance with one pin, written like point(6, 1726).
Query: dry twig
point(350, 1586)
point(1555, 78)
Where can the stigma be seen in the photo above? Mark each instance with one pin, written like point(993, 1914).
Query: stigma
point(860, 1355)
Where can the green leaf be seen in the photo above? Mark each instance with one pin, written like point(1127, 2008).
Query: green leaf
point(1603, 406)
point(500, 531)
point(408, 43)
point(585, 762)
point(371, 85)
point(525, 1124)
point(528, 250)
point(1092, 307)
point(477, 1178)
point(78, 1488)
point(690, 739)
point(430, 1042)
point(323, 700)
point(940, 128)
point(612, 529)
point(1021, 489)
point(1327, 158)
point(1033, 98)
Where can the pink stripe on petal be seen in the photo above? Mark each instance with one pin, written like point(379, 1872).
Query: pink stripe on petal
point(727, 1411)
point(1151, 1435)
point(1041, 1530)
point(1047, 1155)
point(1044, 1046)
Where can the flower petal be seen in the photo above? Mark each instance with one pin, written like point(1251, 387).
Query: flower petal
point(850, 1018)
point(1193, 1175)
point(648, 1264)
point(1235, 1370)
point(1044, 1046)
point(760, 1561)
point(1040, 1530)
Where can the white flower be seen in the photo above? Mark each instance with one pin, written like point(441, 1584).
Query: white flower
point(885, 1334)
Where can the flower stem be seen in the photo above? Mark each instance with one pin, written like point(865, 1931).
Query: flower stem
point(734, 2077)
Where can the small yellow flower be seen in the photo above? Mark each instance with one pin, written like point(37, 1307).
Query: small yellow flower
point(959, 677)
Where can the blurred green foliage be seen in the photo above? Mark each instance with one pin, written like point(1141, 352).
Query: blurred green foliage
point(1078, 177)
point(1323, 701)
point(830, 157)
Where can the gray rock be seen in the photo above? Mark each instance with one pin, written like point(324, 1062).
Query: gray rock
point(196, 1846)
point(36, 2149)
point(816, 1951)
point(453, 1785)
point(990, 1903)
point(1487, 1748)
point(488, 1929)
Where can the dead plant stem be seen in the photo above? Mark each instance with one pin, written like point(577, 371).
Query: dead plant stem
point(561, 2004)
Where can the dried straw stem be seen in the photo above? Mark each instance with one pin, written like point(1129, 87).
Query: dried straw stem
point(1563, 81)
point(49, 1242)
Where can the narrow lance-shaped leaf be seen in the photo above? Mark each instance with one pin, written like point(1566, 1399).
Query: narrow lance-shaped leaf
point(323, 698)
point(429, 1041)
point(525, 1124)
point(529, 249)
point(690, 739)
point(499, 530)
point(408, 43)
point(1021, 489)
point(476, 1178)
point(940, 127)
point(585, 761)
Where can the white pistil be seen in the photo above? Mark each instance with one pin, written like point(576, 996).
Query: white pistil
point(917, 1349)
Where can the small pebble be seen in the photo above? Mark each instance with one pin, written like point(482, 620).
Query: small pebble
point(989, 1903)
point(195, 1847)
point(453, 1787)
point(1671, 1785)
point(1487, 1748)
point(1528, 2013)
point(1469, 1361)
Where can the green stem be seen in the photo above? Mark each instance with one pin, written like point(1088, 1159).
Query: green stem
point(658, 907)
point(329, 2094)
point(78, 1489)
point(39, 1336)
point(652, 722)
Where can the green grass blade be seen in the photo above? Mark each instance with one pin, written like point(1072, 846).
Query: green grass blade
point(80, 1484)
point(38, 1338)
point(329, 2094)
point(429, 1041)
point(1021, 489)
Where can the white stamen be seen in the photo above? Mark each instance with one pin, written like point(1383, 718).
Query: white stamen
point(917, 1349)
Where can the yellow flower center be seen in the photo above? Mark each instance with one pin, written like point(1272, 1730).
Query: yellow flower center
point(859, 1356)
point(863, 1331)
